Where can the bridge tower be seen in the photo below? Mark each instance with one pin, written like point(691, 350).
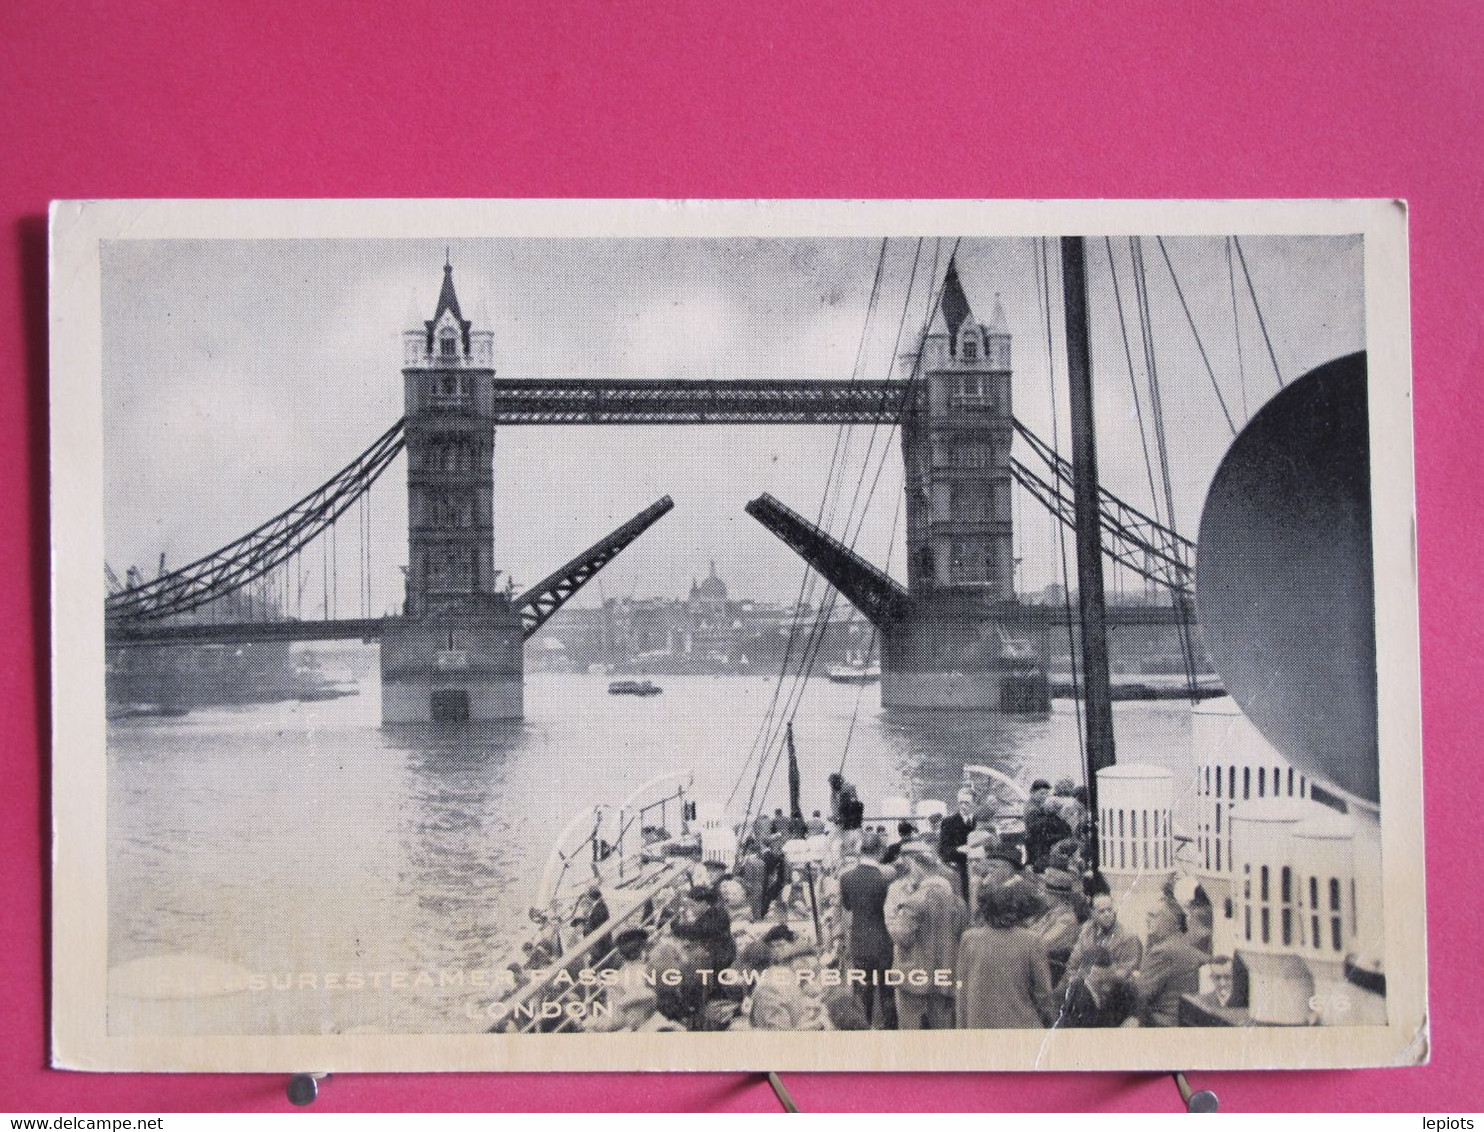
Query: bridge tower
point(956, 444)
point(456, 653)
point(960, 646)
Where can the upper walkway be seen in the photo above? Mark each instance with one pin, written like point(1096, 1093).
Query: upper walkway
point(734, 401)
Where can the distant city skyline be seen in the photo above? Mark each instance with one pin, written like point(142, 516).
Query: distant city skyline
point(239, 375)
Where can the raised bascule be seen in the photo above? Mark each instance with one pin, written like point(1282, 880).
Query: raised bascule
point(954, 636)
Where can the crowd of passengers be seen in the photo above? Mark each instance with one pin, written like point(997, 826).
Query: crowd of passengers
point(950, 923)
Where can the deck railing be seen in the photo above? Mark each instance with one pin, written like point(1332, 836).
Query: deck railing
point(559, 1001)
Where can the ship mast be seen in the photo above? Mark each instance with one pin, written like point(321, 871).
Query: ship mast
point(1091, 607)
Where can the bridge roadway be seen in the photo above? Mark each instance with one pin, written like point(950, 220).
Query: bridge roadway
point(244, 632)
point(370, 629)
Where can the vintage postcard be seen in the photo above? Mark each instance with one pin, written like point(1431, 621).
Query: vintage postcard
point(734, 635)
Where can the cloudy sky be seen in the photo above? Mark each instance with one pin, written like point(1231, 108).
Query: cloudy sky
point(240, 375)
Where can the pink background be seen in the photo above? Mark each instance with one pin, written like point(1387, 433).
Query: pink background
point(309, 99)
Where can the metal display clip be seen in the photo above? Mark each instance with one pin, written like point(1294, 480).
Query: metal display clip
point(303, 1088)
point(1198, 1100)
point(780, 1090)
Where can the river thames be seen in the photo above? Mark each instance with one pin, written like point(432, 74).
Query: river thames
point(296, 868)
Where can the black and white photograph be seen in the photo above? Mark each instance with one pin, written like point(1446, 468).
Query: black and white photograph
point(491, 635)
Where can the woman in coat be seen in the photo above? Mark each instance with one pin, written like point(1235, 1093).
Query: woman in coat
point(1004, 981)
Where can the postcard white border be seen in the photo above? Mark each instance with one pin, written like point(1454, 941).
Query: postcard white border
point(79, 895)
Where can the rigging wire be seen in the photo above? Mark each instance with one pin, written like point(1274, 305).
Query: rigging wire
point(827, 605)
point(1262, 322)
point(881, 463)
point(1156, 405)
point(891, 545)
point(1018, 499)
point(371, 558)
point(906, 398)
point(853, 538)
point(1132, 381)
point(1199, 345)
point(891, 431)
point(1231, 280)
point(1187, 651)
point(762, 741)
point(767, 731)
point(360, 570)
point(876, 424)
point(805, 667)
point(1043, 298)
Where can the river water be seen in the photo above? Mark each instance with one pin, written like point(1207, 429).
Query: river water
point(364, 877)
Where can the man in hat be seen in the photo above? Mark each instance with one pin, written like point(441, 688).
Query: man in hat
point(1066, 856)
point(954, 833)
point(1003, 864)
point(925, 918)
point(631, 944)
point(1057, 925)
point(701, 935)
point(1036, 801)
point(863, 894)
point(734, 896)
point(905, 831)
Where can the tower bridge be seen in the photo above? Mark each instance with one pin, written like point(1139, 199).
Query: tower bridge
point(952, 636)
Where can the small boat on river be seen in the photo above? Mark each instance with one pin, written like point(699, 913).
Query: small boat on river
point(853, 674)
point(634, 688)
